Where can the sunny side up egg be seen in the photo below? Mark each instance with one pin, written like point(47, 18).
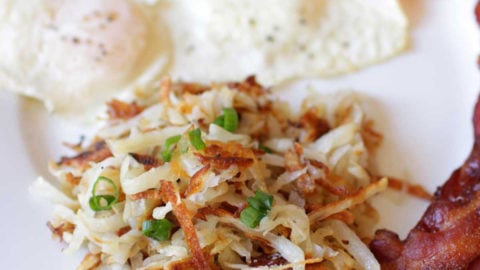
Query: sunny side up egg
point(74, 54)
point(282, 40)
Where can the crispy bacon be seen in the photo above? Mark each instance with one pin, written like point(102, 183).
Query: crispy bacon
point(95, 153)
point(183, 216)
point(448, 234)
point(121, 110)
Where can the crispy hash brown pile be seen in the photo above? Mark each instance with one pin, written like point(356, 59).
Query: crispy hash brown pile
point(190, 176)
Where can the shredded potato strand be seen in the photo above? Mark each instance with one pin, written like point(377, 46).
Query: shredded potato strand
point(170, 194)
point(357, 198)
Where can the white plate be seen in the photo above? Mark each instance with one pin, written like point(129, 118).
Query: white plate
point(422, 102)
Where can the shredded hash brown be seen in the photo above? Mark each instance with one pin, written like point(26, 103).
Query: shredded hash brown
point(142, 167)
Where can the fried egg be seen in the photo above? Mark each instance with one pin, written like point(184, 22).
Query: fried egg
point(74, 55)
point(281, 40)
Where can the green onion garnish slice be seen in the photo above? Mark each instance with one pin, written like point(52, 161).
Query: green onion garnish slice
point(196, 139)
point(258, 208)
point(167, 152)
point(103, 202)
point(219, 120)
point(261, 201)
point(250, 217)
point(157, 229)
point(228, 120)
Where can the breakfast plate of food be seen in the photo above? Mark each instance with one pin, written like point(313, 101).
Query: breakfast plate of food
point(157, 134)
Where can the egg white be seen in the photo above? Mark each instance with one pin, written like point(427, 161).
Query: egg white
point(74, 54)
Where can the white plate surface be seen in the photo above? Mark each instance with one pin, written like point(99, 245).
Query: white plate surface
point(421, 101)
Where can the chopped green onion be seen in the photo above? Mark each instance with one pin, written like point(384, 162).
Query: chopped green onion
point(220, 120)
point(228, 120)
point(265, 149)
point(251, 217)
point(196, 139)
point(167, 152)
point(103, 202)
point(157, 229)
point(262, 201)
point(258, 208)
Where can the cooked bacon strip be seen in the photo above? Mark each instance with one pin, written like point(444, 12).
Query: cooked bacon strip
point(147, 160)
point(360, 196)
point(180, 211)
point(121, 110)
point(448, 234)
point(96, 153)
